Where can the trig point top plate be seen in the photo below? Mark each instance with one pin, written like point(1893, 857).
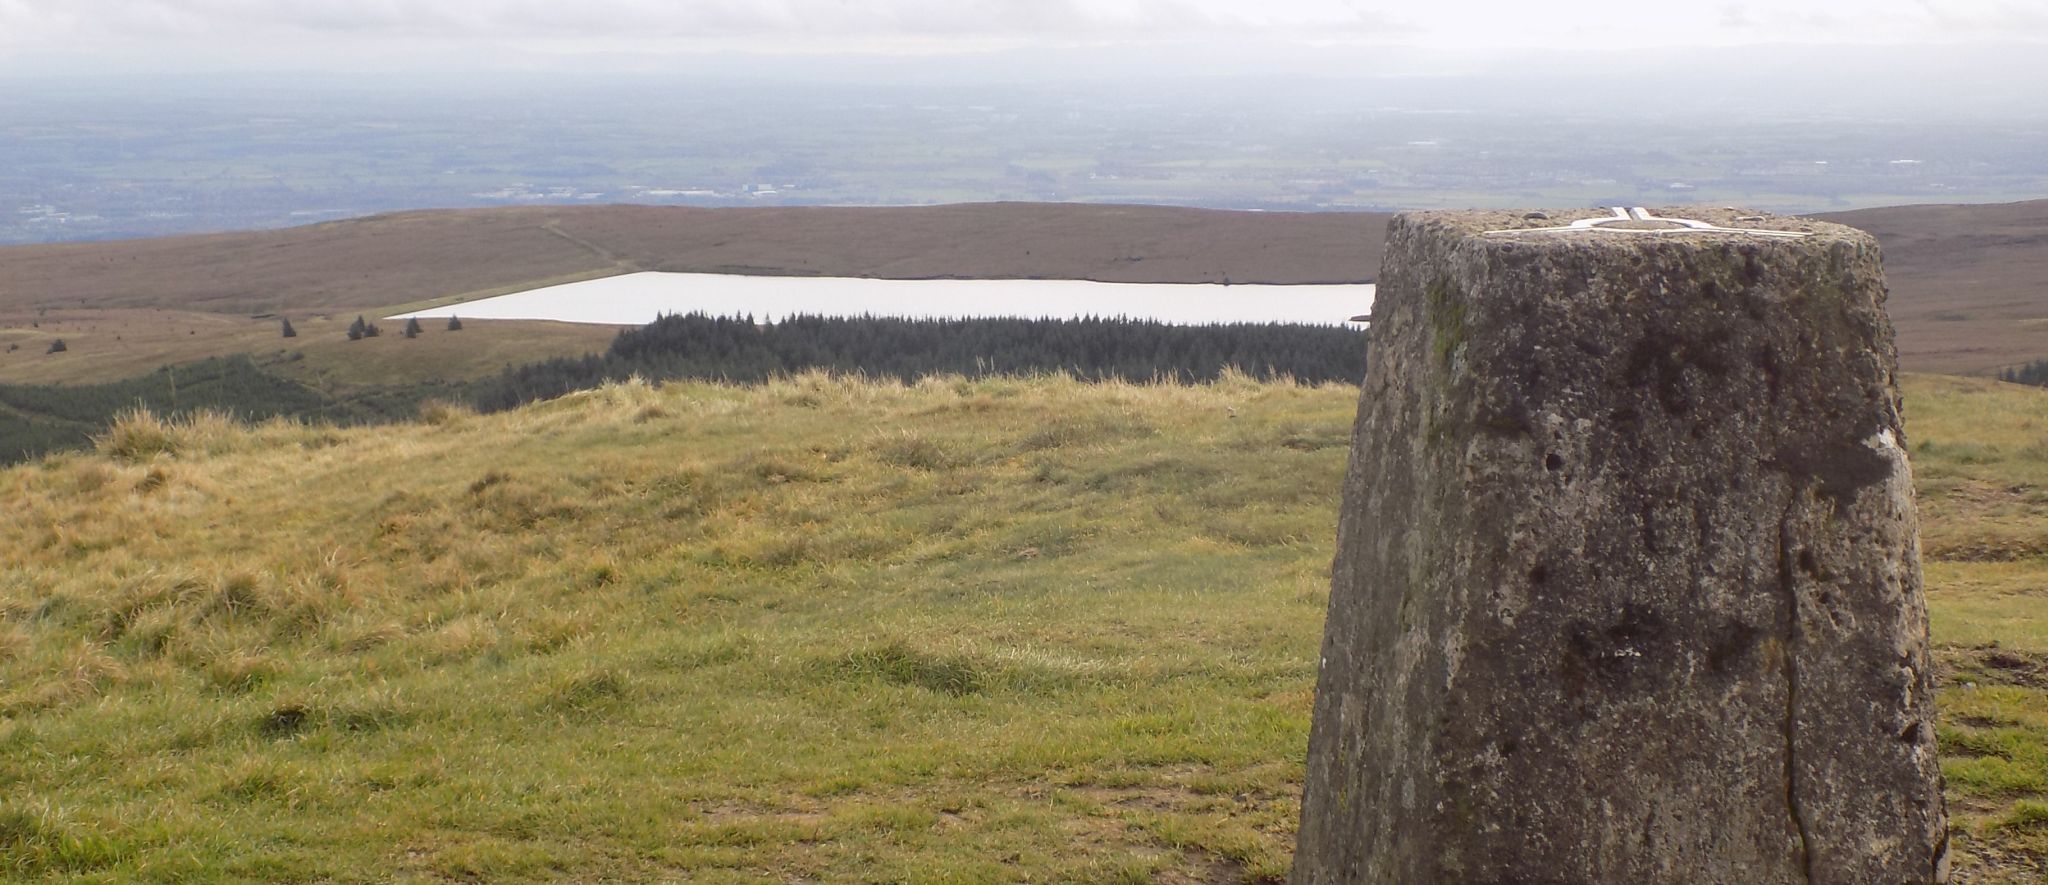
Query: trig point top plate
point(1637, 221)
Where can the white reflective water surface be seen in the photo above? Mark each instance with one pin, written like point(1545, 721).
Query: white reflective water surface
point(633, 299)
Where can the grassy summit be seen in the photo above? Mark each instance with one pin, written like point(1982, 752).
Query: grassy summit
point(814, 629)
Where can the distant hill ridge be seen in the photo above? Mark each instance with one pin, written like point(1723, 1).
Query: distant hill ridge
point(1969, 283)
point(383, 260)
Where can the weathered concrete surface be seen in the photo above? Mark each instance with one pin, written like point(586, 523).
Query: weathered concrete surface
point(1627, 585)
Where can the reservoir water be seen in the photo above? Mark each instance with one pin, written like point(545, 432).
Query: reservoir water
point(638, 298)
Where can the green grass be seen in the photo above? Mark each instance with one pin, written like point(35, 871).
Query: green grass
point(813, 630)
point(1980, 461)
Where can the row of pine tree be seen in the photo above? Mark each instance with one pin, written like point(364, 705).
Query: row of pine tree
point(41, 418)
point(2035, 373)
point(740, 350)
point(360, 329)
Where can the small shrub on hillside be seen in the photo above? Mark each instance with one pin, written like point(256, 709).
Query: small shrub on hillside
point(454, 324)
point(361, 329)
point(288, 331)
point(412, 327)
point(57, 346)
point(136, 435)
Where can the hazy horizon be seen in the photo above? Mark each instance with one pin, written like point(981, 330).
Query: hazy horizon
point(1862, 49)
point(139, 117)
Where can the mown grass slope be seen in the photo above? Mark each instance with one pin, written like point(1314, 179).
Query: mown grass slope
point(818, 629)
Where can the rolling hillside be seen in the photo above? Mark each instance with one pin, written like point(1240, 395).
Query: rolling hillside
point(812, 630)
point(368, 263)
point(1969, 283)
point(127, 307)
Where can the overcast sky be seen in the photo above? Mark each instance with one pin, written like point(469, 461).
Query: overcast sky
point(325, 33)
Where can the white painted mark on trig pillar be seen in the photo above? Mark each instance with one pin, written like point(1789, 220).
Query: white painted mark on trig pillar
point(1640, 215)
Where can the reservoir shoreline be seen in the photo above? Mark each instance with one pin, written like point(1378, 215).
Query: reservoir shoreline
point(639, 298)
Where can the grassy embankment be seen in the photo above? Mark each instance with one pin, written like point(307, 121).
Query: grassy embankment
point(810, 630)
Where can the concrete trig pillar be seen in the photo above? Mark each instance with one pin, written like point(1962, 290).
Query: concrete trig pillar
point(1627, 586)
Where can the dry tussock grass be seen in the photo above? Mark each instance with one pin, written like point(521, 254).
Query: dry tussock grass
point(139, 435)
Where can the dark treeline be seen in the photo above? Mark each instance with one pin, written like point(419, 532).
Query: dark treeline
point(736, 349)
point(2035, 373)
point(35, 419)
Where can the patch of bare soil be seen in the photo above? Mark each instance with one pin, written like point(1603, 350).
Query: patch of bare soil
point(1982, 664)
point(1974, 863)
point(1202, 868)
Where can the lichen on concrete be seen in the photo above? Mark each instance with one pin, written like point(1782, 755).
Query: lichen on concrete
point(1627, 585)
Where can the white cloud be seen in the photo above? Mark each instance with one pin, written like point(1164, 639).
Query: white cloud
point(1976, 17)
point(1735, 15)
point(497, 19)
point(224, 30)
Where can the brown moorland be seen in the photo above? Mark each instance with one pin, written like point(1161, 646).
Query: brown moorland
point(386, 260)
point(128, 306)
point(1969, 283)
